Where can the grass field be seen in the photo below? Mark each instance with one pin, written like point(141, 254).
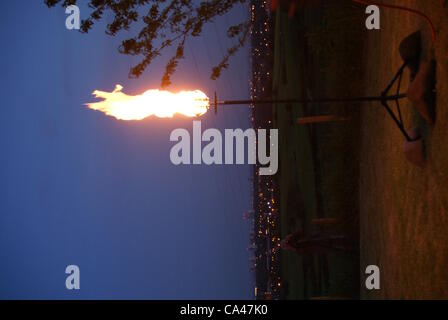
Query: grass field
point(404, 216)
point(356, 168)
point(318, 162)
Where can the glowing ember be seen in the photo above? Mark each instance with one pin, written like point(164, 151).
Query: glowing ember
point(162, 104)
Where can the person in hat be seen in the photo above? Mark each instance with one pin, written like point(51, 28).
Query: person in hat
point(318, 243)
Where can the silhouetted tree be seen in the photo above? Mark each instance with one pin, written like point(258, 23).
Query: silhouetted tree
point(165, 24)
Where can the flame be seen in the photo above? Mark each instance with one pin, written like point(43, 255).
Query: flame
point(160, 103)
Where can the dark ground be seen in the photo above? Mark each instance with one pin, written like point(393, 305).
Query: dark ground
point(318, 163)
point(404, 221)
point(355, 170)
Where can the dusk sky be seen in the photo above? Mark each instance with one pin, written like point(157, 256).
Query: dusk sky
point(79, 187)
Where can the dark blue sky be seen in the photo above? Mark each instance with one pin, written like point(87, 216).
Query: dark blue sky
point(78, 187)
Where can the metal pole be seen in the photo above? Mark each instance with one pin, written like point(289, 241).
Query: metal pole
point(323, 100)
point(383, 99)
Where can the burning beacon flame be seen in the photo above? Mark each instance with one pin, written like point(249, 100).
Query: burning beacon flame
point(162, 104)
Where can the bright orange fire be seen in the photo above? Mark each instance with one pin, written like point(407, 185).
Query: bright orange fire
point(162, 104)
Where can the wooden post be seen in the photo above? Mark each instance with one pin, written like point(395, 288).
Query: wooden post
point(325, 221)
point(320, 119)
